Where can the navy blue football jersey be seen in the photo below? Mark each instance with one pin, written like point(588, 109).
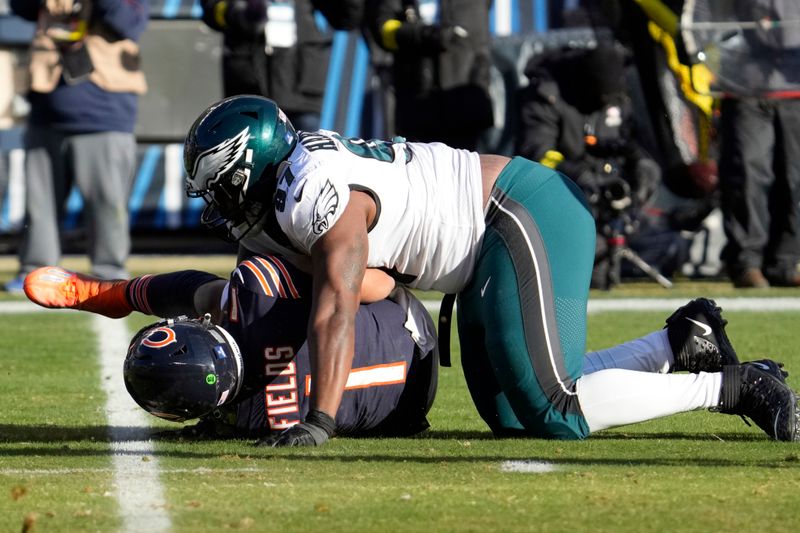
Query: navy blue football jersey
point(391, 384)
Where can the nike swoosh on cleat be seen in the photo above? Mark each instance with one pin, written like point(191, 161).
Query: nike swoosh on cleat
point(705, 327)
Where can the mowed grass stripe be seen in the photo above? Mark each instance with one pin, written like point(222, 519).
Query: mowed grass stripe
point(138, 488)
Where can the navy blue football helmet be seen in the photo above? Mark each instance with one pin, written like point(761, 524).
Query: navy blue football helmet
point(182, 368)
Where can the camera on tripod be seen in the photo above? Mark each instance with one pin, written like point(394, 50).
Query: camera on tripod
point(578, 117)
point(615, 204)
point(615, 193)
point(610, 196)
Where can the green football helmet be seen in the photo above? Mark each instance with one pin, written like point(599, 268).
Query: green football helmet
point(231, 157)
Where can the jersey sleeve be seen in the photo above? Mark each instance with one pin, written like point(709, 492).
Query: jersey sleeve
point(307, 207)
point(272, 276)
point(268, 302)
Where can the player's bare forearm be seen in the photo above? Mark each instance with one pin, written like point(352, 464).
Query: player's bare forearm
point(337, 284)
point(339, 260)
point(331, 345)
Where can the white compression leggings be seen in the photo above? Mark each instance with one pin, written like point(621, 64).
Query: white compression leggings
point(628, 383)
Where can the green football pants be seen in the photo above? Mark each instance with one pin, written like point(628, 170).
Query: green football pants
point(522, 317)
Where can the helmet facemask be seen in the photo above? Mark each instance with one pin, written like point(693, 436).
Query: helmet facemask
point(232, 212)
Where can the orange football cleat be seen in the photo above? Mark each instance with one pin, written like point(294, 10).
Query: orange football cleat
point(57, 288)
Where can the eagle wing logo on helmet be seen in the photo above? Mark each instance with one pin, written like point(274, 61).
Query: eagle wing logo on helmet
point(217, 161)
point(325, 208)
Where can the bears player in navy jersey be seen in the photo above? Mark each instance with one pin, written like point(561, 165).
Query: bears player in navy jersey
point(513, 239)
point(244, 369)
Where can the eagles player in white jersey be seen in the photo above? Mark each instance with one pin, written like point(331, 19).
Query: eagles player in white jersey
point(512, 238)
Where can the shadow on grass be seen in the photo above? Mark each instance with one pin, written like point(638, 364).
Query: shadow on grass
point(70, 441)
point(254, 457)
point(11, 433)
point(623, 436)
point(52, 433)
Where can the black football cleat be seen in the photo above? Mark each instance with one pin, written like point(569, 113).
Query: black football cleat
point(697, 337)
point(771, 367)
point(749, 391)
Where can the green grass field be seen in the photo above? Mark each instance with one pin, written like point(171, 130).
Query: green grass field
point(61, 468)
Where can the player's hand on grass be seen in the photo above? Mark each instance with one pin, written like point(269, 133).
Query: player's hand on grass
point(314, 431)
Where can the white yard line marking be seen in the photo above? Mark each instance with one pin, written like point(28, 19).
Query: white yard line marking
point(670, 304)
point(137, 486)
point(26, 307)
point(595, 306)
point(527, 467)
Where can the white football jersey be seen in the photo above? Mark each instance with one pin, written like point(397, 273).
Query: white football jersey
point(429, 221)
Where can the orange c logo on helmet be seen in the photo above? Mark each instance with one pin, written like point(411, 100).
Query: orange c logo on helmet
point(169, 338)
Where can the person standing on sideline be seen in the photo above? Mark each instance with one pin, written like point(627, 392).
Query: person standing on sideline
point(759, 167)
point(85, 83)
point(441, 63)
point(279, 49)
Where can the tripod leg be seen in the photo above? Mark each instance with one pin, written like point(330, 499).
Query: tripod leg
point(614, 265)
point(634, 258)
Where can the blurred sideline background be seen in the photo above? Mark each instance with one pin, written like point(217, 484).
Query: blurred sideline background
point(181, 58)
